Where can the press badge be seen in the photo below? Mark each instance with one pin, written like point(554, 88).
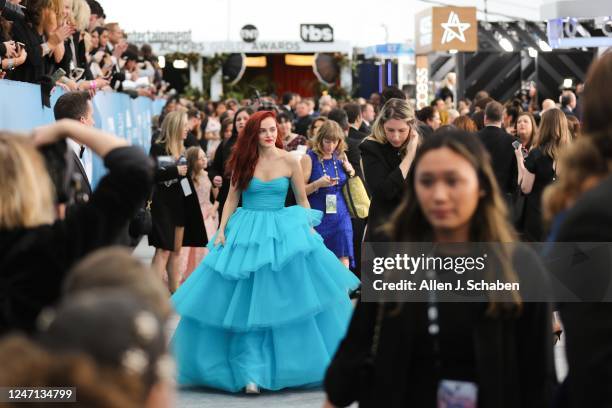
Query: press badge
point(457, 394)
point(331, 205)
point(186, 187)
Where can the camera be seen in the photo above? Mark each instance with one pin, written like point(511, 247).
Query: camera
point(11, 11)
point(66, 179)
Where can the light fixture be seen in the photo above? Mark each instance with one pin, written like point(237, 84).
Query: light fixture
point(544, 47)
point(256, 62)
point(161, 61)
point(533, 53)
point(567, 83)
point(506, 44)
point(180, 64)
point(452, 51)
point(299, 60)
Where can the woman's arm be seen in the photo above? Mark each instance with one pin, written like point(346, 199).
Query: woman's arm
point(101, 143)
point(525, 177)
point(323, 181)
point(231, 203)
point(297, 181)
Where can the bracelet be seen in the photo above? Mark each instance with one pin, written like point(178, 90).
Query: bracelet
point(45, 49)
point(11, 64)
point(93, 85)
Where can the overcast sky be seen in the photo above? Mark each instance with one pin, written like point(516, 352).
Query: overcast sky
point(358, 21)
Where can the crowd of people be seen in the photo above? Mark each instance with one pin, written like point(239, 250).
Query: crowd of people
point(68, 43)
point(258, 211)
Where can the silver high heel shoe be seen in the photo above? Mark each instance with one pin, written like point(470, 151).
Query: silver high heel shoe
point(252, 388)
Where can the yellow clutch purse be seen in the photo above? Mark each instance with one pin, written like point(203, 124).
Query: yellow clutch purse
point(356, 197)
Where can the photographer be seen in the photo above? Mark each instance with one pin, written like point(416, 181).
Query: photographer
point(36, 250)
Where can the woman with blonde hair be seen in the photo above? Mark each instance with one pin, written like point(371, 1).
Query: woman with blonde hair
point(36, 249)
point(539, 169)
point(386, 157)
point(326, 170)
point(496, 348)
point(167, 203)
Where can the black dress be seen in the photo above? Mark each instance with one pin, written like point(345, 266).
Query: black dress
point(588, 327)
point(34, 261)
point(35, 65)
point(384, 181)
point(509, 358)
point(542, 166)
point(168, 203)
point(217, 168)
point(195, 231)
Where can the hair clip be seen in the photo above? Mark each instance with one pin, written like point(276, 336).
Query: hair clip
point(165, 368)
point(146, 325)
point(135, 360)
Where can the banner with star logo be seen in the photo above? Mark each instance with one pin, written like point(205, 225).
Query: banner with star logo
point(445, 29)
point(455, 28)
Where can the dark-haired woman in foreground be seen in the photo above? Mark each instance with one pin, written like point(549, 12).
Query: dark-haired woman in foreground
point(269, 304)
point(502, 351)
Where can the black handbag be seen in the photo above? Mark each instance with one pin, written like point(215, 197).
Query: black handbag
point(142, 223)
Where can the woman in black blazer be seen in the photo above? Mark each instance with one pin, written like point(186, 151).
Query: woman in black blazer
point(168, 201)
point(499, 346)
point(386, 157)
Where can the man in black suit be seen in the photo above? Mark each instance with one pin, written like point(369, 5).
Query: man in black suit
point(303, 120)
point(368, 114)
point(568, 103)
point(499, 145)
point(77, 106)
point(288, 104)
point(353, 113)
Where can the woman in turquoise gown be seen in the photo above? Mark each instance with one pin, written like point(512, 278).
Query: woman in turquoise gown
point(269, 305)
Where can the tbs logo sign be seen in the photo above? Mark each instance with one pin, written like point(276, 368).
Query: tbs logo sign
point(249, 33)
point(316, 33)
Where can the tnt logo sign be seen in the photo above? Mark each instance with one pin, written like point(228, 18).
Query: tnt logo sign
point(249, 33)
point(316, 33)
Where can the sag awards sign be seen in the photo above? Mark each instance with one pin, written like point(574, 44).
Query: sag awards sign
point(316, 38)
point(445, 29)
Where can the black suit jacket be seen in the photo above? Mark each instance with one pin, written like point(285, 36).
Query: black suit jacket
point(499, 145)
point(588, 327)
point(365, 129)
point(385, 183)
point(79, 167)
point(353, 154)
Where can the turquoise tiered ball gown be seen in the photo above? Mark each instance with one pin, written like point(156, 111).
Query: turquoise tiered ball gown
point(270, 306)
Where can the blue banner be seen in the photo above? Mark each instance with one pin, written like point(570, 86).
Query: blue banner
point(21, 109)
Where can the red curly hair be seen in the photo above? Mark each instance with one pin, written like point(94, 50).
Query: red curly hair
point(245, 153)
